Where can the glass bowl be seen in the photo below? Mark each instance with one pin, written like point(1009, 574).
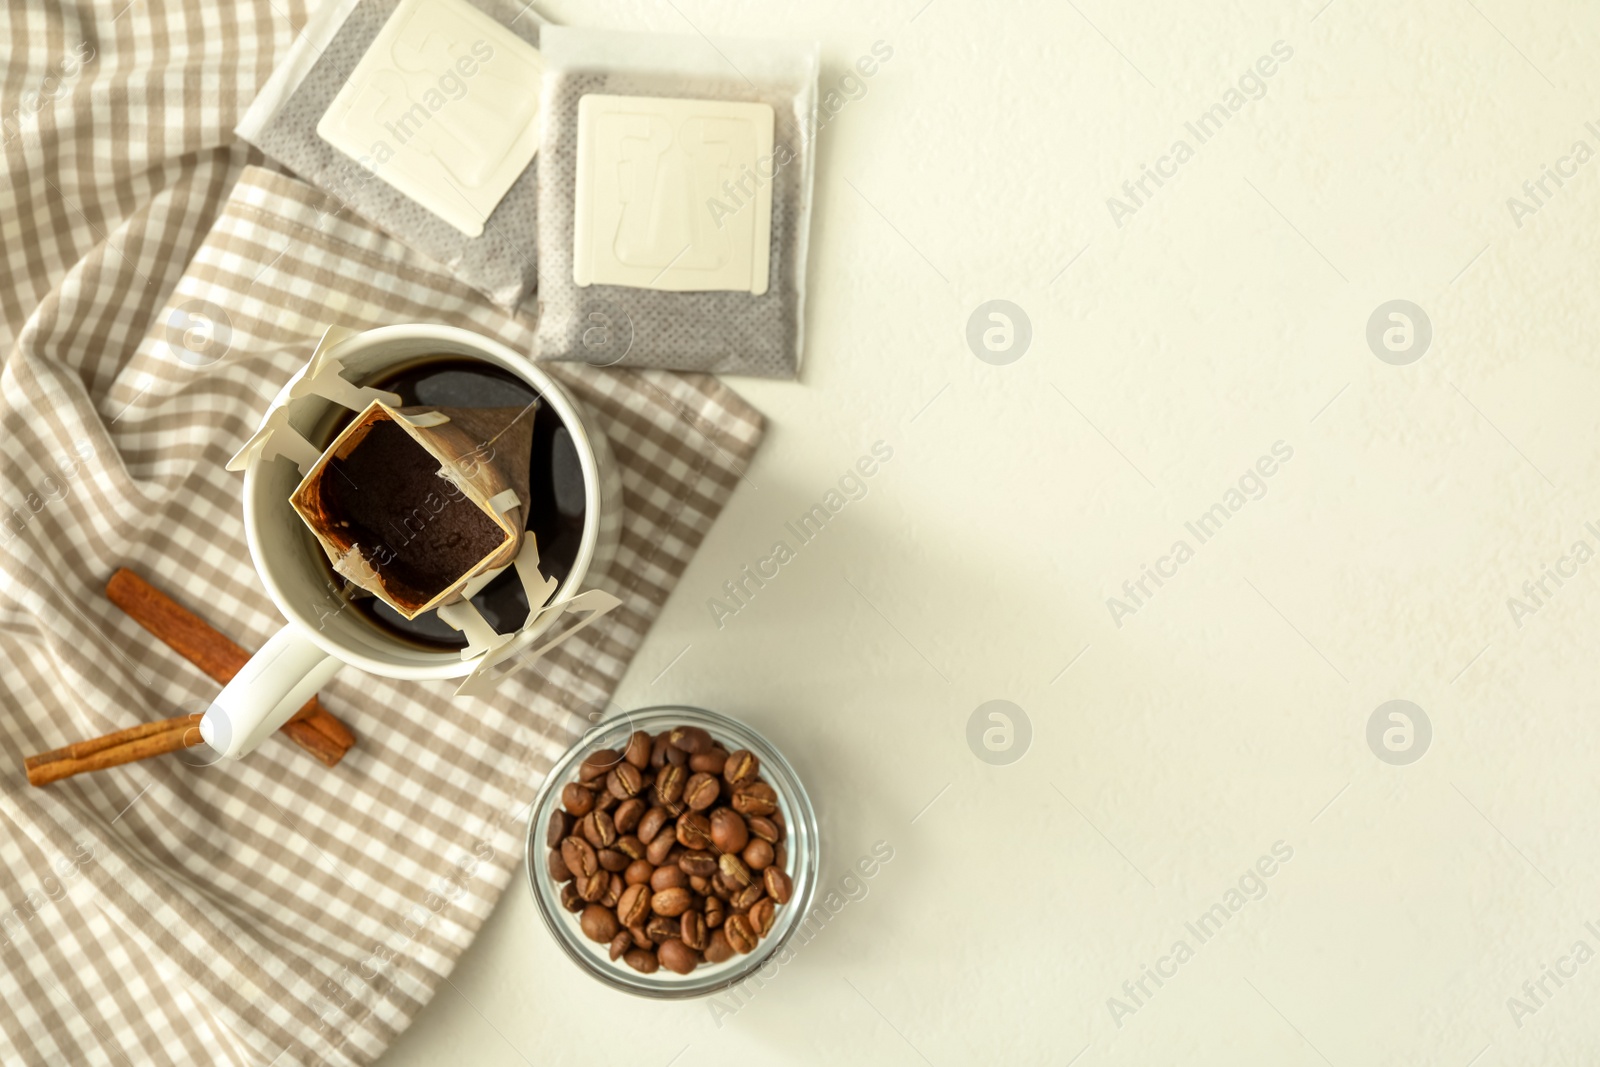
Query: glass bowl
point(800, 839)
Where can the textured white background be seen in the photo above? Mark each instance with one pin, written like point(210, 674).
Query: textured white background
point(1230, 712)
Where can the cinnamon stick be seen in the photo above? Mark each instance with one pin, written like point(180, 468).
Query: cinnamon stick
point(135, 743)
point(85, 749)
point(312, 727)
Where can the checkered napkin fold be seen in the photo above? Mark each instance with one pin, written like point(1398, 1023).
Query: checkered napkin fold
point(169, 912)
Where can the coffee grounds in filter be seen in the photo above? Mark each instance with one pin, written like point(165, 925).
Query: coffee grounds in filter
point(392, 515)
point(390, 499)
point(714, 332)
point(557, 502)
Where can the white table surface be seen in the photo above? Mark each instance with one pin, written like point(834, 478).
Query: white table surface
point(1230, 711)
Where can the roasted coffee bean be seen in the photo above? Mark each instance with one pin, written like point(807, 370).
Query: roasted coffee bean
point(722, 887)
point(698, 862)
point(755, 798)
point(691, 739)
point(578, 856)
point(659, 849)
point(700, 791)
point(781, 823)
point(742, 766)
point(762, 915)
point(660, 928)
point(605, 801)
point(740, 934)
point(557, 866)
point(598, 923)
point(633, 907)
point(624, 781)
point(715, 912)
point(642, 960)
point(780, 857)
point(620, 944)
point(597, 764)
point(651, 822)
point(765, 828)
point(640, 938)
point(593, 887)
point(560, 826)
point(614, 887)
point(710, 762)
point(676, 757)
point(671, 902)
point(746, 897)
point(658, 751)
point(677, 957)
point(637, 750)
point(732, 866)
point(612, 860)
point(576, 799)
point(638, 872)
point(779, 885)
point(693, 930)
point(728, 830)
point(668, 877)
point(630, 846)
point(699, 885)
point(669, 785)
point(694, 830)
point(598, 829)
point(757, 855)
point(717, 948)
point(570, 898)
point(628, 814)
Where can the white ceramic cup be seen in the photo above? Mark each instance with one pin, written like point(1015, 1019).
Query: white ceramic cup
point(318, 638)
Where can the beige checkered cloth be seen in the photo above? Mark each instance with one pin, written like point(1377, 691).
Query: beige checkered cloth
point(271, 911)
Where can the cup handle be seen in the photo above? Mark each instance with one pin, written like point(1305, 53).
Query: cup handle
point(280, 678)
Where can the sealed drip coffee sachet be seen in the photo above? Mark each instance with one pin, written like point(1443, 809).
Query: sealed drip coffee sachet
point(675, 179)
point(421, 116)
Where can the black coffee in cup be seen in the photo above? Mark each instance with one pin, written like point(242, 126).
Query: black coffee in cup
point(554, 516)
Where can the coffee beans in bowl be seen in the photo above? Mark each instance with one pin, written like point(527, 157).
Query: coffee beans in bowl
point(674, 853)
point(715, 899)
